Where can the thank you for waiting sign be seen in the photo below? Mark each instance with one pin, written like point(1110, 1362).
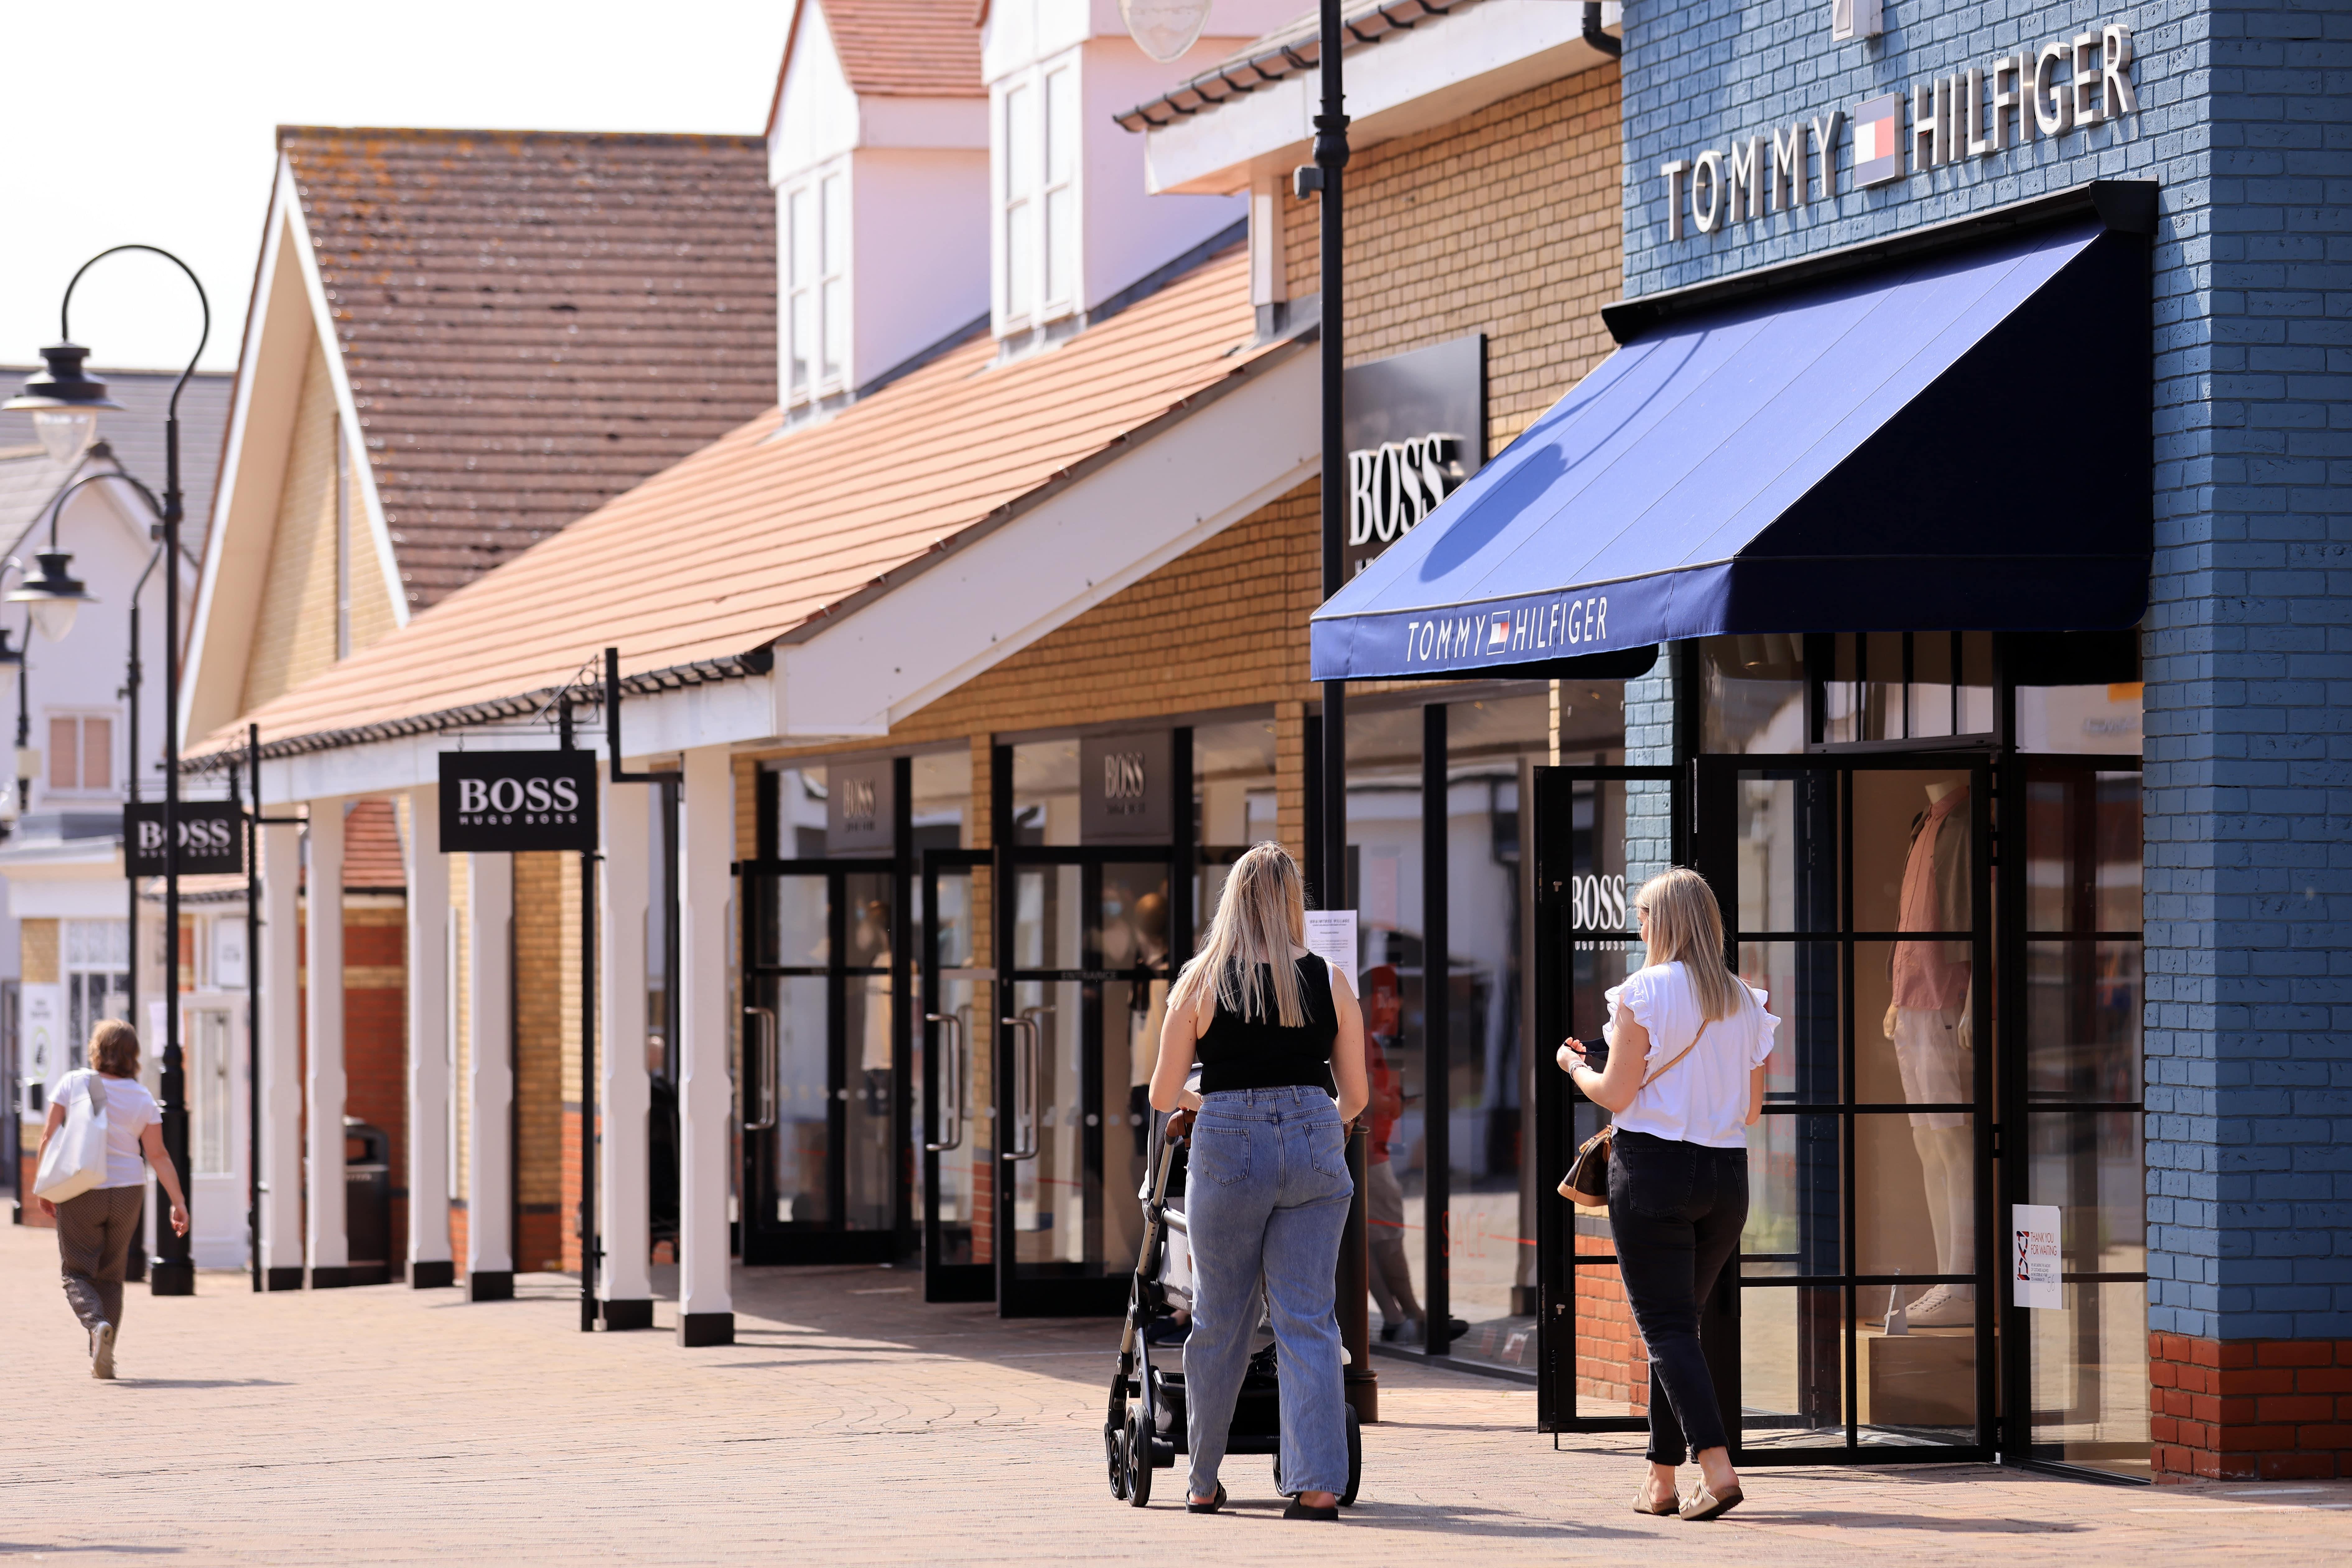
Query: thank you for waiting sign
point(511, 802)
point(211, 835)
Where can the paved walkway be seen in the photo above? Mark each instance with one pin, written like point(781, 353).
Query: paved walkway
point(855, 1424)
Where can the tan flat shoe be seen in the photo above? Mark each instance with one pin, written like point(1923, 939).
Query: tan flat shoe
point(1704, 1504)
point(1642, 1504)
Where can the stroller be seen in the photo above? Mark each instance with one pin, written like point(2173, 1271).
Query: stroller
point(1145, 1430)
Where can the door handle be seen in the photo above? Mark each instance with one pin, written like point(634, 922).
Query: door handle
point(1025, 1088)
point(951, 1081)
point(769, 1061)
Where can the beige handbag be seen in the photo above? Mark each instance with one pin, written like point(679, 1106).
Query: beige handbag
point(1586, 1184)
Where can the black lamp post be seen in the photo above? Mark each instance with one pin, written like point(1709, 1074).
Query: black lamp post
point(64, 404)
point(1328, 861)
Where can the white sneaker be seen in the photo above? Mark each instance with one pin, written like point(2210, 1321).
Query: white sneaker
point(1944, 1306)
point(101, 1351)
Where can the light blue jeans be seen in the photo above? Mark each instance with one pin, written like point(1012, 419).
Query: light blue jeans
point(1265, 1201)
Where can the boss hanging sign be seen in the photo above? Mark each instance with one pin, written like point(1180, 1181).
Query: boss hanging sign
point(211, 835)
point(509, 802)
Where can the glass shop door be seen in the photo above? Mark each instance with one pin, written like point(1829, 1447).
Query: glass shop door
point(822, 1061)
point(956, 1117)
point(1598, 832)
point(1857, 894)
point(1085, 988)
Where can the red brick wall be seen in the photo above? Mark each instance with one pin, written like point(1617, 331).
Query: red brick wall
point(2251, 1410)
point(1612, 1363)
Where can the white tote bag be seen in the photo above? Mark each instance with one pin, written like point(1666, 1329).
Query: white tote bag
point(75, 1161)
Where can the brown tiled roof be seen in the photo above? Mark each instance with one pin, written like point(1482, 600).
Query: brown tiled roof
point(535, 322)
point(902, 48)
point(759, 535)
point(916, 48)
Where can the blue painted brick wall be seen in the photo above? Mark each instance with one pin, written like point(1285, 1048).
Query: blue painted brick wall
point(2245, 120)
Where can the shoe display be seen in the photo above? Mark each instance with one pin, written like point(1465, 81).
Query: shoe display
point(1944, 1306)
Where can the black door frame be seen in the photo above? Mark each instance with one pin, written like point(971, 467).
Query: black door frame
point(1085, 1295)
point(1564, 1116)
point(766, 1240)
point(942, 1281)
point(1713, 840)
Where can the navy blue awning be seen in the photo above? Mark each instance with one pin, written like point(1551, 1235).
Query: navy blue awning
point(1958, 442)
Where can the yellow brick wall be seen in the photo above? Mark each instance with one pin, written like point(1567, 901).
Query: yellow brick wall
point(36, 952)
point(538, 1053)
point(294, 633)
point(1507, 222)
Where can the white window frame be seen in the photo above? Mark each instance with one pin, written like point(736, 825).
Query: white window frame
point(113, 790)
point(824, 291)
point(1037, 178)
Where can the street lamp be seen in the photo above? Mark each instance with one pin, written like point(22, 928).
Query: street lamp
point(53, 595)
point(69, 403)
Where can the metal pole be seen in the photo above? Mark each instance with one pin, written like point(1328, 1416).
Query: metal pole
point(253, 1004)
point(1330, 158)
point(589, 1248)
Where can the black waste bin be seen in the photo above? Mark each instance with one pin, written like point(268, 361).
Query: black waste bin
point(367, 1202)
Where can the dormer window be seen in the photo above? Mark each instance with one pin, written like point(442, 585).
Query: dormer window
point(1037, 178)
point(816, 214)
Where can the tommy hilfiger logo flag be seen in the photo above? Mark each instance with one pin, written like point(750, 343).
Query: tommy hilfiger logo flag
point(1878, 141)
point(1499, 635)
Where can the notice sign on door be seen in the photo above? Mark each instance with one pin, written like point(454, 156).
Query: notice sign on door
point(211, 835)
point(1331, 936)
point(2033, 1254)
point(509, 802)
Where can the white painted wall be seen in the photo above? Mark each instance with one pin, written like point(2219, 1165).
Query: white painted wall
point(816, 112)
point(918, 250)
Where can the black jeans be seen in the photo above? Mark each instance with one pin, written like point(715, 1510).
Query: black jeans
point(1675, 1210)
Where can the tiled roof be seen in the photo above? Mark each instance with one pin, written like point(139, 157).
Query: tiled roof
point(1284, 52)
point(907, 49)
point(759, 534)
point(535, 322)
point(136, 434)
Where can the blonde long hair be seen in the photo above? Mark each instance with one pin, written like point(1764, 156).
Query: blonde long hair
point(1686, 926)
point(1261, 915)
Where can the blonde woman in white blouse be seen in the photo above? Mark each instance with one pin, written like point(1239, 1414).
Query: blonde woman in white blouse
point(1684, 1075)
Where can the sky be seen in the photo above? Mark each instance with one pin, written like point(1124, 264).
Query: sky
point(179, 104)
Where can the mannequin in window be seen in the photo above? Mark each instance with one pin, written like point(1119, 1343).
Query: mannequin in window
point(1928, 1020)
point(869, 948)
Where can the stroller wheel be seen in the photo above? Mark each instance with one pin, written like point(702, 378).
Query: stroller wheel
point(1139, 1461)
point(1115, 1457)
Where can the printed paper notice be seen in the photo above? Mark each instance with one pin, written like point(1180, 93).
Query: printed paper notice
point(1331, 936)
point(2033, 1254)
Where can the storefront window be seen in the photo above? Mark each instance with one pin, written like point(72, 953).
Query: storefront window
point(1384, 854)
point(1492, 1191)
point(1752, 695)
point(1907, 685)
point(2102, 718)
point(98, 982)
point(1046, 792)
point(941, 807)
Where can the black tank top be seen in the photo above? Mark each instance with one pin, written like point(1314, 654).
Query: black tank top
point(1258, 1053)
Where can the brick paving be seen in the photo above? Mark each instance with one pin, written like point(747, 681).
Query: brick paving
point(855, 1424)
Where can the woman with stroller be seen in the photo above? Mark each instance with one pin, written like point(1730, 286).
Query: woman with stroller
point(1684, 1073)
point(1279, 1039)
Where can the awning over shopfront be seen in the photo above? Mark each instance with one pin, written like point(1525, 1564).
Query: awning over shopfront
point(1953, 441)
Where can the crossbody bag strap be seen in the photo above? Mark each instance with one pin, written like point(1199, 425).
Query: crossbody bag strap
point(1685, 1050)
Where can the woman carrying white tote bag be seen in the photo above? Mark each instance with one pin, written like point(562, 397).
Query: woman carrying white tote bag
point(103, 1107)
point(74, 1160)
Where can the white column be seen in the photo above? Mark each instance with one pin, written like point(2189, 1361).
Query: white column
point(281, 1136)
point(429, 1263)
point(323, 1018)
point(706, 1305)
point(626, 1092)
point(489, 1036)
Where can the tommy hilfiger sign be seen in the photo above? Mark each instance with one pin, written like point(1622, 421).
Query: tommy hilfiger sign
point(2042, 91)
point(508, 803)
